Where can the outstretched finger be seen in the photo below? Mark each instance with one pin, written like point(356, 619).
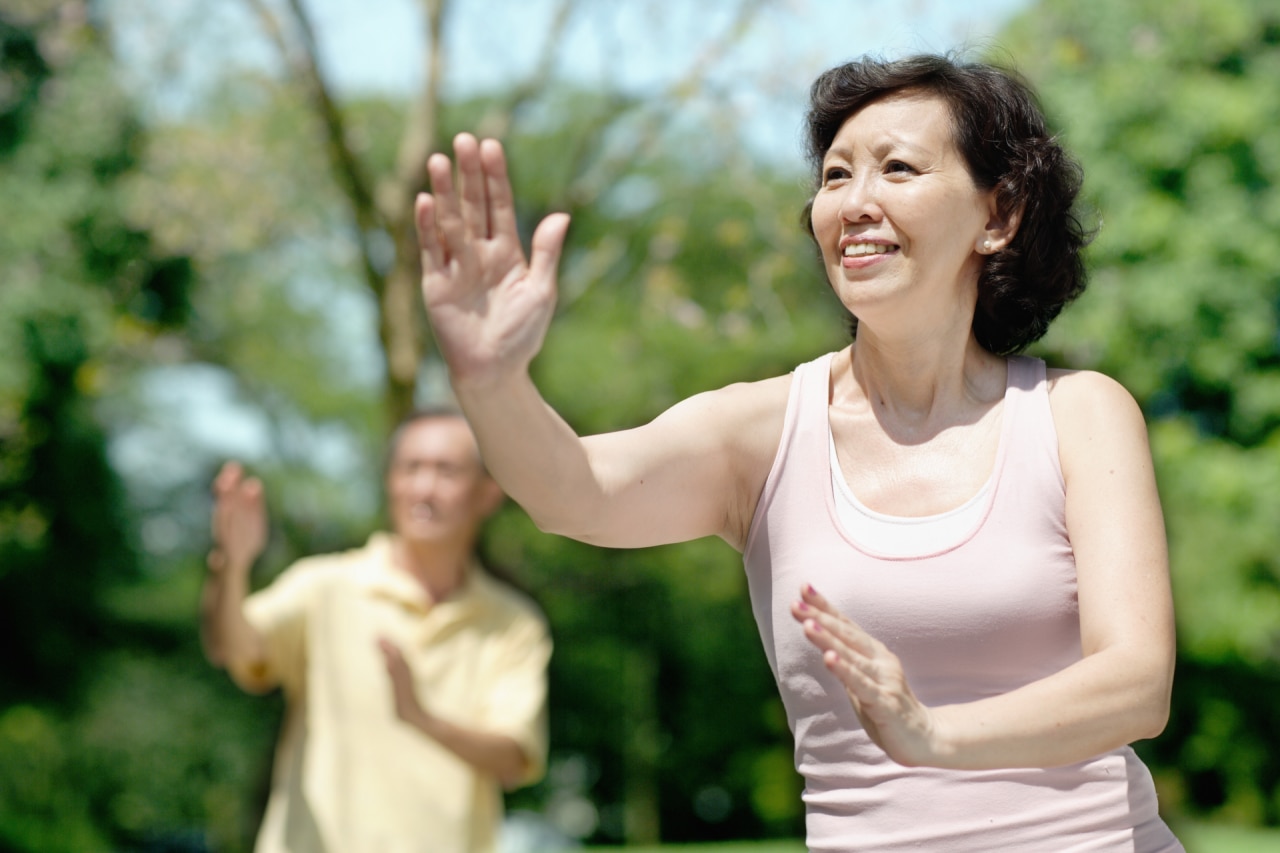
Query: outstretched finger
point(440, 173)
point(548, 243)
point(430, 246)
point(473, 201)
point(502, 208)
point(450, 230)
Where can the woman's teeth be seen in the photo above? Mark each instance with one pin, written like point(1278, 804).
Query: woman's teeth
point(853, 250)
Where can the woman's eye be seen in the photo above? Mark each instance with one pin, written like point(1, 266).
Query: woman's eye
point(898, 166)
point(834, 173)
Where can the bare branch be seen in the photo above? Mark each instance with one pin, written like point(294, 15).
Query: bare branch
point(303, 63)
point(500, 118)
point(600, 172)
point(420, 135)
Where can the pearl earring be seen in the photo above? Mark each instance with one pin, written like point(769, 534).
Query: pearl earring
point(986, 245)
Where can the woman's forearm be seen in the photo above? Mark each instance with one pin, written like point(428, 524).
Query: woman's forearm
point(541, 463)
point(1100, 703)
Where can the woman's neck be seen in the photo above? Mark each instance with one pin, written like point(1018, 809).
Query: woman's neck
point(918, 385)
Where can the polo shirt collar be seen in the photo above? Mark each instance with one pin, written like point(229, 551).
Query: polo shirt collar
point(383, 578)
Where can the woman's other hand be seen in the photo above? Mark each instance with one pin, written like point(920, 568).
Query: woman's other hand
point(874, 680)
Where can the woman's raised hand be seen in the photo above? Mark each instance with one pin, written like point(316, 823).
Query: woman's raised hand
point(489, 305)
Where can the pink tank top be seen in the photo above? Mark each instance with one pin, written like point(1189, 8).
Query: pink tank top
point(979, 616)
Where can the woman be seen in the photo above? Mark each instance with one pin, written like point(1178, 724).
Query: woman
point(956, 557)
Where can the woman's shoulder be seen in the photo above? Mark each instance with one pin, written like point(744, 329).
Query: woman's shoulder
point(1092, 412)
point(1079, 390)
point(728, 406)
point(756, 395)
point(770, 394)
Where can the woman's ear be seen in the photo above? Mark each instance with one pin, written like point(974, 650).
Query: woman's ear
point(1001, 228)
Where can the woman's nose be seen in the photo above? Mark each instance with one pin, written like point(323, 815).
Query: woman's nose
point(859, 201)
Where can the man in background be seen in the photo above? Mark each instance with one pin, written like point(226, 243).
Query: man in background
point(415, 682)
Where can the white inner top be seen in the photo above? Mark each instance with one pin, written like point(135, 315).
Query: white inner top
point(901, 536)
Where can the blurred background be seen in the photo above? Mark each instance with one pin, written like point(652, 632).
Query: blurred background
point(206, 252)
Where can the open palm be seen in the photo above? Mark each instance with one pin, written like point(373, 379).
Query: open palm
point(488, 304)
point(239, 517)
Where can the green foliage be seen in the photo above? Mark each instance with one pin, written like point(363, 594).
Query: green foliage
point(62, 538)
point(1171, 109)
point(103, 725)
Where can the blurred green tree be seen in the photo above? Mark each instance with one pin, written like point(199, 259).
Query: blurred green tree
point(88, 297)
point(1171, 107)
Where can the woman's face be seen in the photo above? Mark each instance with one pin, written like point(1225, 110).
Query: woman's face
point(897, 215)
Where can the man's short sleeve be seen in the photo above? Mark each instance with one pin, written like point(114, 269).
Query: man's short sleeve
point(517, 702)
point(279, 613)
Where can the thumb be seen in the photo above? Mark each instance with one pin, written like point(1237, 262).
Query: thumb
point(548, 242)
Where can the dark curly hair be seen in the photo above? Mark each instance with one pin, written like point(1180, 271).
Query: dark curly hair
point(1001, 133)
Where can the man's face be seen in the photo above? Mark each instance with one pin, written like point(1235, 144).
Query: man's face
point(437, 490)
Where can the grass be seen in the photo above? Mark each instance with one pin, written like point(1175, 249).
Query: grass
point(1217, 838)
point(1198, 838)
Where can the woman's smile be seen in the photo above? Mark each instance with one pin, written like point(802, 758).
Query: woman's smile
point(859, 253)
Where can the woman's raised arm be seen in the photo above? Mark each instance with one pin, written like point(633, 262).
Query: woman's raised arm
point(692, 472)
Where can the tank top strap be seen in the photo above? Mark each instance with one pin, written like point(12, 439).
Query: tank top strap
point(803, 444)
point(1034, 439)
point(814, 403)
point(811, 442)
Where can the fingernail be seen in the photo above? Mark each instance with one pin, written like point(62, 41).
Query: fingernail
point(802, 607)
point(808, 588)
point(814, 626)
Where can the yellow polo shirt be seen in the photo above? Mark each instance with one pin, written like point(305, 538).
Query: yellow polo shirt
point(349, 776)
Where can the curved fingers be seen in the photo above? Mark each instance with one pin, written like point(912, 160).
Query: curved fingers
point(812, 605)
point(873, 679)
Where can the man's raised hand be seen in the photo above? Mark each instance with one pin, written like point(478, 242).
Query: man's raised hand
point(239, 520)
